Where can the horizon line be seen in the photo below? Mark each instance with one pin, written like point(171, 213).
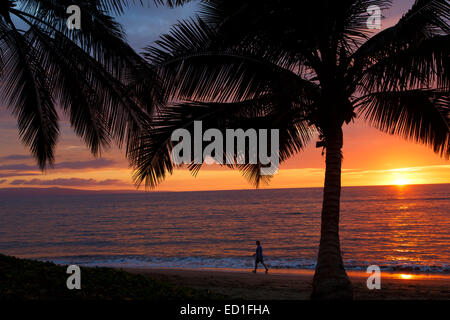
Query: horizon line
point(219, 190)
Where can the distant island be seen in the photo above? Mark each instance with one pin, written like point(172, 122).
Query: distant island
point(57, 191)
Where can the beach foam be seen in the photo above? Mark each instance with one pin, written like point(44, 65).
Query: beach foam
point(134, 261)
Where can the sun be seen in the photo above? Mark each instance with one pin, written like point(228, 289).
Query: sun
point(401, 182)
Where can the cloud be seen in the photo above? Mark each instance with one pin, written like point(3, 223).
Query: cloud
point(16, 157)
point(397, 170)
point(19, 167)
point(2, 181)
point(90, 164)
point(67, 182)
point(17, 174)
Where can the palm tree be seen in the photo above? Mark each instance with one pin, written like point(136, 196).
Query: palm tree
point(92, 74)
point(304, 68)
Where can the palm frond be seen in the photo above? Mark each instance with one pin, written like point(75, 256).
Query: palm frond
point(418, 115)
point(28, 94)
point(294, 134)
point(92, 73)
point(4, 30)
point(193, 66)
point(73, 88)
point(413, 53)
point(152, 158)
point(101, 36)
point(423, 64)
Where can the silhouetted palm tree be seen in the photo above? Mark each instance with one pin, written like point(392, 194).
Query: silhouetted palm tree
point(302, 67)
point(92, 74)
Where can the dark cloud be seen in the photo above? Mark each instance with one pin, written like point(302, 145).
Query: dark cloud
point(17, 174)
point(90, 164)
point(67, 182)
point(16, 157)
point(19, 167)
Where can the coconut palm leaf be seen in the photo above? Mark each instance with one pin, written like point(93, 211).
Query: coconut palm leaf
point(103, 110)
point(193, 65)
point(29, 94)
point(101, 36)
point(419, 115)
point(412, 54)
point(425, 64)
point(152, 159)
point(92, 74)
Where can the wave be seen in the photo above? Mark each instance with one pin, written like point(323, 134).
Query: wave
point(139, 261)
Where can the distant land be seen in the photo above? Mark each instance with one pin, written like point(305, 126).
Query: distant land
point(5, 192)
point(9, 192)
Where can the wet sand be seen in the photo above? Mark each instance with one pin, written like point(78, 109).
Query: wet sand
point(296, 284)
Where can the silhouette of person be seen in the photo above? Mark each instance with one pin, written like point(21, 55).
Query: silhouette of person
point(259, 257)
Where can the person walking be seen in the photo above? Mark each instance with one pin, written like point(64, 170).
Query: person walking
point(259, 257)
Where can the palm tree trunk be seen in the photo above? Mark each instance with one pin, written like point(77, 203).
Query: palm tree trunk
point(330, 279)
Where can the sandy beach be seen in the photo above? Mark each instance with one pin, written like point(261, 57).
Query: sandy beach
point(296, 284)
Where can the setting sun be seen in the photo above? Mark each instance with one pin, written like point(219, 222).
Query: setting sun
point(402, 176)
point(401, 182)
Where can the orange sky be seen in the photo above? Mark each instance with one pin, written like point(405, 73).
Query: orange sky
point(370, 158)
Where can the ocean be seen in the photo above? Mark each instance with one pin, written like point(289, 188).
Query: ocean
point(394, 227)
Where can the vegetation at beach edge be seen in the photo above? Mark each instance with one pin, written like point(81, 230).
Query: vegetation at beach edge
point(35, 280)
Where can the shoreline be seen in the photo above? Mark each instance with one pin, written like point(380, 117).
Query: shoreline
point(291, 284)
point(31, 279)
point(398, 274)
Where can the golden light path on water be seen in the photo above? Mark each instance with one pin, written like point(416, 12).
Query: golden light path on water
point(351, 273)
